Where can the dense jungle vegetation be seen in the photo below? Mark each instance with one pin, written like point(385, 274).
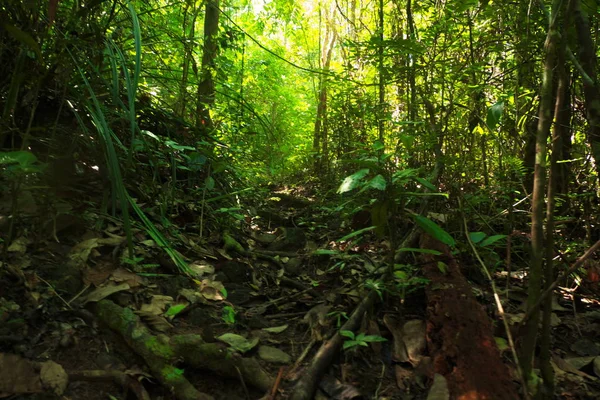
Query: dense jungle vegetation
point(345, 199)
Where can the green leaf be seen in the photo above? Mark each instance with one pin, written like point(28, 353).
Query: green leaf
point(424, 251)
point(276, 329)
point(378, 183)
point(378, 145)
point(434, 230)
point(371, 338)
point(348, 334)
point(477, 237)
point(426, 183)
point(350, 343)
point(209, 183)
point(492, 239)
point(24, 38)
point(404, 174)
point(23, 158)
point(325, 252)
point(501, 343)
point(238, 342)
point(174, 310)
point(356, 233)
point(176, 146)
point(352, 181)
point(494, 114)
point(442, 267)
point(401, 275)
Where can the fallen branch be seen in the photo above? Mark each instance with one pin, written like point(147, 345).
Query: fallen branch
point(160, 352)
point(306, 387)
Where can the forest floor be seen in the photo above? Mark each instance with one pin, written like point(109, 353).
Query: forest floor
point(259, 312)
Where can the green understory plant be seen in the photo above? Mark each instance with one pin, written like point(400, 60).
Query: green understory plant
point(359, 340)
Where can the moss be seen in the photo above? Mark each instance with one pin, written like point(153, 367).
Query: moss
point(158, 348)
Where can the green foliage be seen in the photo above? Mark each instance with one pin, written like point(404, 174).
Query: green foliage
point(434, 230)
point(359, 340)
point(229, 315)
point(18, 163)
point(494, 114)
point(407, 279)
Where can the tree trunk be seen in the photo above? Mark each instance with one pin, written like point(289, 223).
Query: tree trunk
point(539, 183)
point(561, 105)
point(206, 87)
point(320, 138)
point(591, 89)
point(187, 59)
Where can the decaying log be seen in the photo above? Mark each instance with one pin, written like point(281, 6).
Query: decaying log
point(160, 352)
point(459, 332)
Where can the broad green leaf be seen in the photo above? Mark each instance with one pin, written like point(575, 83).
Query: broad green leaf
point(356, 233)
point(209, 183)
point(238, 342)
point(351, 182)
point(401, 275)
point(378, 145)
point(491, 240)
point(377, 182)
point(434, 230)
point(404, 174)
point(414, 250)
point(23, 158)
point(24, 38)
point(426, 183)
point(348, 334)
point(477, 237)
point(174, 310)
point(350, 343)
point(494, 114)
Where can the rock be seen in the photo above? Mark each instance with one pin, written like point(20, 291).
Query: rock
point(235, 272)
point(273, 355)
point(289, 239)
point(293, 265)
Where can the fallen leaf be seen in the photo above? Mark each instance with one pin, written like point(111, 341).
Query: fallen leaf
point(238, 342)
point(105, 291)
point(276, 329)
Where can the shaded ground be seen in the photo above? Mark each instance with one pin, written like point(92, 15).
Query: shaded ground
point(270, 292)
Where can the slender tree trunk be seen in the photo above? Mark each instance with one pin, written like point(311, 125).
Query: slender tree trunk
point(556, 148)
point(188, 40)
point(525, 83)
point(381, 116)
point(206, 87)
point(320, 138)
point(591, 89)
point(539, 183)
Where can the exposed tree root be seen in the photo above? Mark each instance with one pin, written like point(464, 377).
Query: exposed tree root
point(459, 333)
point(307, 385)
point(160, 352)
point(121, 378)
